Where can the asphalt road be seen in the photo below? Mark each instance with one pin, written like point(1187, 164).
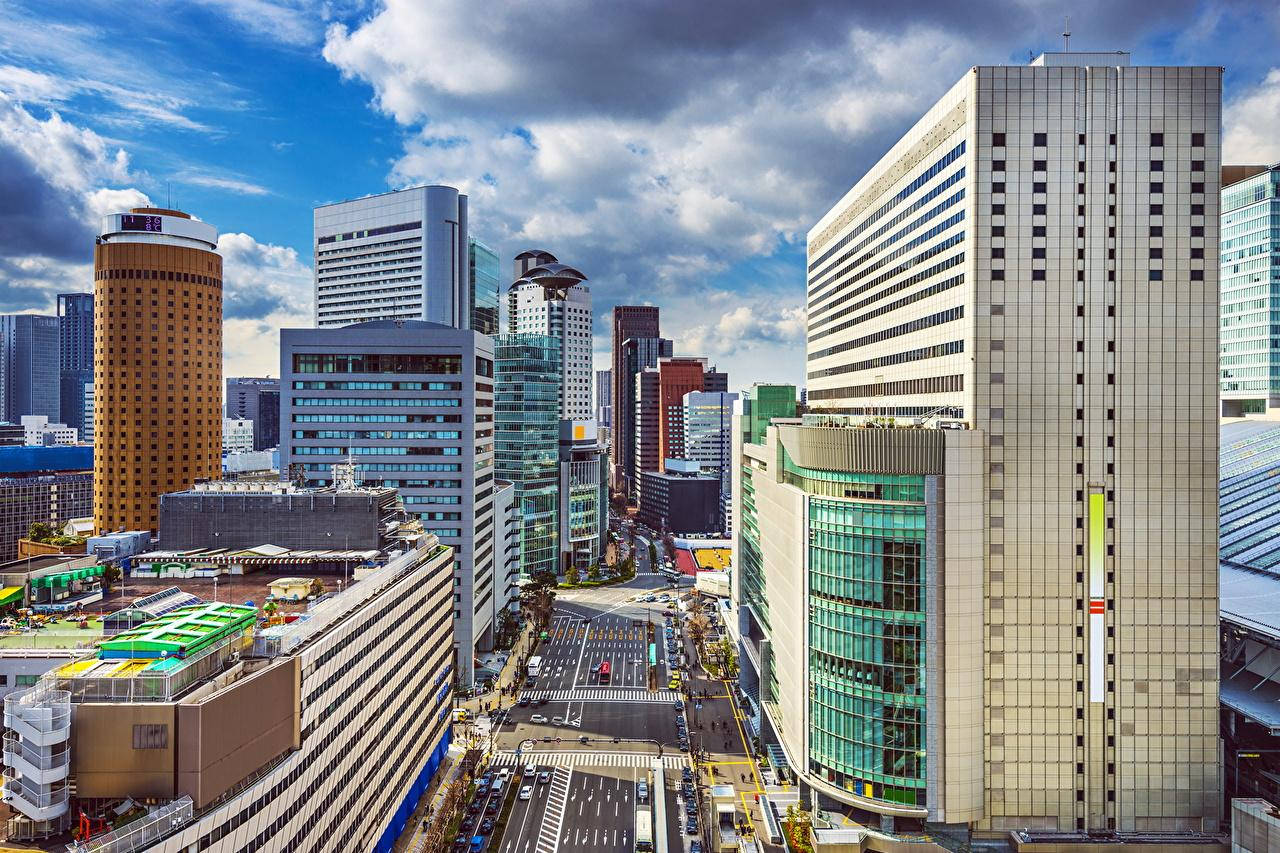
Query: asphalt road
point(590, 803)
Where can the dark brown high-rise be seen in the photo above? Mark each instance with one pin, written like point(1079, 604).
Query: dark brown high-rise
point(629, 321)
point(158, 363)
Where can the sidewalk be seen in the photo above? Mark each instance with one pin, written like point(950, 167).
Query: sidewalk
point(519, 652)
point(413, 839)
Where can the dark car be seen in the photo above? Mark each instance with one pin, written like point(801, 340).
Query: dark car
point(486, 826)
point(695, 847)
point(679, 703)
point(462, 842)
point(475, 806)
point(691, 827)
point(492, 808)
point(544, 700)
point(668, 613)
point(684, 746)
point(524, 702)
point(686, 773)
point(467, 824)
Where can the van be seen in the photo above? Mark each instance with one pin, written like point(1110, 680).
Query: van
point(495, 790)
point(642, 791)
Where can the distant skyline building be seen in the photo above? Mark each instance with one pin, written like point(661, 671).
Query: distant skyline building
point(400, 255)
point(604, 398)
point(257, 399)
point(412, 402)
point(1250, 276)
point(158, 378)
point(646, 429)
point(39, 432)
point(485, 274)
point(29, 378)
point(638, 354)
point(527, 442)
point(708, 440)
point(550, 298)
point(1035, 264)
point(75, 355)
point(677, 376)
point(584, 495)
point(47, 484)
point(629, 321)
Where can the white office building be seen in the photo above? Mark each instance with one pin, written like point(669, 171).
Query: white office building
point(400, 255)
point(237, 435)
point(550, 298)
point(37, 431)
point(1035, 261)
point(708, 440)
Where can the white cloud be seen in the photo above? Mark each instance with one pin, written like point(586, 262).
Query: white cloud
point(222, 182)
point(1251, 124)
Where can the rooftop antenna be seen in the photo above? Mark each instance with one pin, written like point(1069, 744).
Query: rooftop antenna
point(168, 194)
point(1066, 33)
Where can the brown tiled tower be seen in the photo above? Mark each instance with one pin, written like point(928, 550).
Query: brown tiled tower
point(158, 353)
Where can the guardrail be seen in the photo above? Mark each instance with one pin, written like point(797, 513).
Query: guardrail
point(142, 832)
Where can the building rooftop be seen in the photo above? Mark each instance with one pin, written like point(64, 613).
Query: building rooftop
point(1249, 494)
point(260, 555)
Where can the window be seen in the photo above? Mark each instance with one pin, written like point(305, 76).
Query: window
point(1157, 186)
point(1197, 210)
point(151, 736)
point(1155, 253)
point(1197, 139)
point(1157, 209)
point(1038, 231)
point(1039, 187)
point(1157, 230)
point(1038, 210)
point(997, 139)
point(1157, 140)
point(1197, 165)
point(997, 186)
point(1037, 252)
point(1197, 253)
point(997, 210)
point(997, 165)
point(997, 230)
point(1197, 186)
point(1040, 165)
point(1197, 275)
point(1157, 165)
point(998, 252)
point(1037, 275)
point(1155, 275)
point(1040, 139)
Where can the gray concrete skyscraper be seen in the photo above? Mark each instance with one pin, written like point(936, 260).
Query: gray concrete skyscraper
point(402, 255)
point(75, 355)
point(29, 381)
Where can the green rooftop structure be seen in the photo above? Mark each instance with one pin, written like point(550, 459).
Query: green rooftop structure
point(181, 633)
point(761, 404)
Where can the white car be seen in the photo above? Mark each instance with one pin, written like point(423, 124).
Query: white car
point(504, 773)
point(557, 721)
point(530, 769)
point(537, 718)
point(526, 792)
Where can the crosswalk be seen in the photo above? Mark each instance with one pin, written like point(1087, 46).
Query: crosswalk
point(553, 817)
point(605, 694)
point(583, 758)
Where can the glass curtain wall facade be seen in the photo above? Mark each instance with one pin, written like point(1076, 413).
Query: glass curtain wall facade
point(867, 632)
point(485, 270)
point(1250, 281)
point(527, 441)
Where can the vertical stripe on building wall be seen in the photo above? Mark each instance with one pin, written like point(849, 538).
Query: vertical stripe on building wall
point(1097, 601)
point(400, 818)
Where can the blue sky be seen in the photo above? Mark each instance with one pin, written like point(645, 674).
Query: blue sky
point(675, 152)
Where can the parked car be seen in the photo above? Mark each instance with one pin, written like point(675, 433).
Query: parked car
point(524, 702)
point(486, 826)
point(557, 721)
point(537, 718)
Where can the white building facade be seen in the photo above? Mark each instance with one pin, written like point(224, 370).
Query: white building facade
point(237, 435)
point(1036, 261)
point(708, 439)
point(39, 432)
point(401, 255)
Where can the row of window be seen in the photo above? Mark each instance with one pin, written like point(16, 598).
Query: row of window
point(376, 363)
point(947, 316)
point(1041, 139)
point(909, 281)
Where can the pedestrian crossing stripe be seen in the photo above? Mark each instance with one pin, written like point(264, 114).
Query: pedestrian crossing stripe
point(575, 758)
point(617, 694)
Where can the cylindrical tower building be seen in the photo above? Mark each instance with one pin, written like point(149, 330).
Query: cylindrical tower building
point(158, 358)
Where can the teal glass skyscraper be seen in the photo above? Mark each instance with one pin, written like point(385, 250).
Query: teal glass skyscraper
point(1250, 258)
point(483, 287)
point(527, 440)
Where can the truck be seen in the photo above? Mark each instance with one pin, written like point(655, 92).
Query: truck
point(644, 831)
point(535, 666)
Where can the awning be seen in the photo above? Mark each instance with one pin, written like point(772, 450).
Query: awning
point(10, 594)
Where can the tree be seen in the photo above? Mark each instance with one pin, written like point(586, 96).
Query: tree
point(653, 556)
point(111, 574)
point(593, 572)
point(728, 658)
point(317, 587)
point(571, 575)
point(697, 626)
point(40, 531)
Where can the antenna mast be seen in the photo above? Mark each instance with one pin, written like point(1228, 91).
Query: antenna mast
point(1066, 33)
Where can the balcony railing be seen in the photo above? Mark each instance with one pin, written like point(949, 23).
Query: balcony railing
point(40, 759)
point(141, 833)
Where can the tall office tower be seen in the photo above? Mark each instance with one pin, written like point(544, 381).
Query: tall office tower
point(549, 298)
point(257, 399)
point(678, 376)
point(412, 403)
point(708, 440)
point(402, 255)
point(646, 428)
point(604, 398)
point(484, 273)
point(629, 321)
point(763, 402)
point(28, 366)
point(1035, 259)
point(637, 354)
point(526, 441)
point(75, 355)
point(158, 372)
point(1250, 274)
